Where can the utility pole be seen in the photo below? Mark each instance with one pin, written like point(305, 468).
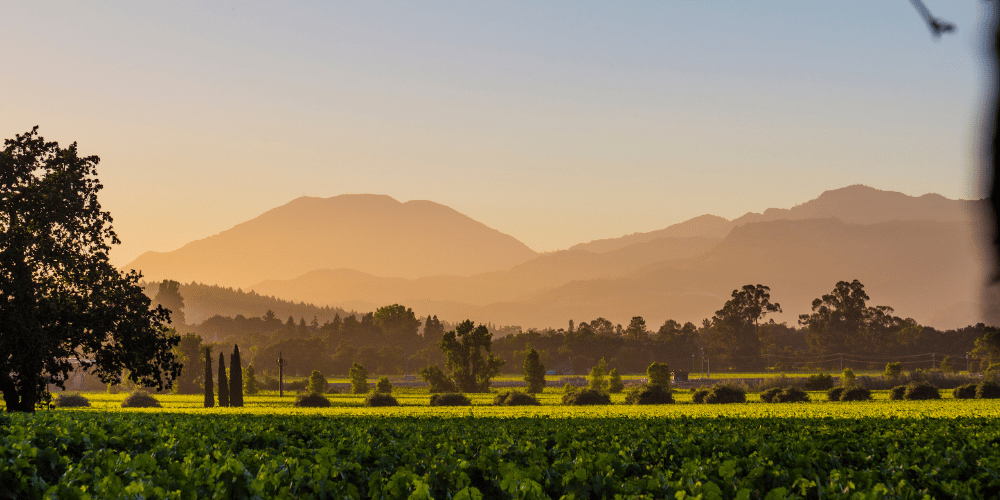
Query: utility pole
point(709, 361)
point(968, 367)
point(281, 376)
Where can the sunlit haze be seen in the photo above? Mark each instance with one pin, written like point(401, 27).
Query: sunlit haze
point(554, 122)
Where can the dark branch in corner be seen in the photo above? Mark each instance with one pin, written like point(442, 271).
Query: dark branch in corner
point(936, 25)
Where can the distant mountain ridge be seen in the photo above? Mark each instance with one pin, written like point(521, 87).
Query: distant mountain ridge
point(856, 204)
point(375, 234)
point(916, 254)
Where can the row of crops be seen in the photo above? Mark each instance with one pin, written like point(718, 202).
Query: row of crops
point(88, 453)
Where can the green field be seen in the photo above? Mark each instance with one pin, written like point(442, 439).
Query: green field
point(270, 449)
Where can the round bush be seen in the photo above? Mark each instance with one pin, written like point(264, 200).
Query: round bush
point(834, 394)
point(699, 396)
point(988, 389)
point(311, 400)
point(725, 393)
point(897, 393)
point(768, 395)
point(921, 391)
point(515, 398)
point(791, 395)
point(819, 382)
point(450, 399)
point(649, 395)
point(380, 399)
point(140, 399)
point(587, 397)
point(856, 394)
point(967, 391)
point(71, 400)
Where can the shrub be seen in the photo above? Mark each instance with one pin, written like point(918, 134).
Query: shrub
point(359, 379)
point(791, 395)
point(383, 385)
point(311, 400)
point(649, 394)
point(893, 370)
point(988, 389)
point(921, 390)
point(967, 391)
point(586, 397)
point(71, 400)
point(450, 399)
point(381, 399)
point(856, 394)
point(597, 380)
point(819, 382)
point(725, 393)
point(947, 365)
point(847, 378)
point(699, 395)
point(897, 393)
point(834, 393)
point(515, 398)
point(659, 374)
point(250, 385)
point(615, 384)
point(568, 388)
point(140, 399)
point(437, 381)
point(317, 382)
point(534, 372)
point(768, 395)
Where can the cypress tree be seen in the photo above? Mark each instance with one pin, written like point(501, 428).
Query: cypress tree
point(235, 378)
point(534, 371)
point(223, 384)
point(209, 393)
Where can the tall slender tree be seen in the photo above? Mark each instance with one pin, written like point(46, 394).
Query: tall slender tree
point(235, 378)
point(209, 393)
point(534, 371)
point(223, 384)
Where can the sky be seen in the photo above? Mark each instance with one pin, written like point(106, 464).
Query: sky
point(556, 122)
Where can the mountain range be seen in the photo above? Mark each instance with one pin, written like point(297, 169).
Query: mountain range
point(915, 254)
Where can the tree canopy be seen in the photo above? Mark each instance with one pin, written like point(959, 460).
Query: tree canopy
point(62, 302)
point(468, 350)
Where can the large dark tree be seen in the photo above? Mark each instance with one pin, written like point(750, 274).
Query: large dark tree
point(737, 325)
point(61, 300)
point(223, 383)
point(235, 378)
point(468, 349)
point(209, 392)
point(399, 325)
point(842, 321)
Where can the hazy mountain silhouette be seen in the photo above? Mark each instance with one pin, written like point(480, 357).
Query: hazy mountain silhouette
point(854, 204)
point(371, 233)
point(926, 270)
point(361, 252)
point(338, 286)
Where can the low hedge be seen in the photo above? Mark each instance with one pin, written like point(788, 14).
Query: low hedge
point(381, 399)
point(450, 399)
point(988, 389)
point(921, 391)
point(140, 399)
point(515, 398)
point(312, 400)
point(649, 395)
point(586, 397)
point(724, 394)
point(856, 394)
point(699, 395)
point(71, 400)
point(967, 391)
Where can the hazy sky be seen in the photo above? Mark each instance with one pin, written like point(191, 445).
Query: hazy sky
point(554, 122)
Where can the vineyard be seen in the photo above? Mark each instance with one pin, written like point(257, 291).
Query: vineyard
point(269, 449)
